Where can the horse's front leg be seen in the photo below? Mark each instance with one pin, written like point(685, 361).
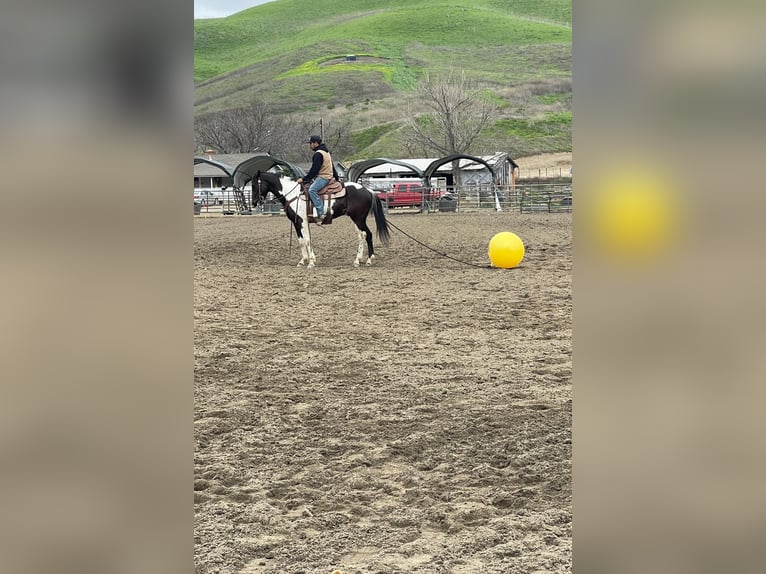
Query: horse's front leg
point(303, 242)
point(298, 224)
point(307, 252)
point(310, 254)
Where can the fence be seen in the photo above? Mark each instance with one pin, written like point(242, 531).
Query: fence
point(524, 198)
point(228, 202)
point(544, 172)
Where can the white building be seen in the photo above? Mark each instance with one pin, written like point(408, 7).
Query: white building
point(474, 170)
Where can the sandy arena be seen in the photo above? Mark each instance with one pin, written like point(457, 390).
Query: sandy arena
point(409, 417)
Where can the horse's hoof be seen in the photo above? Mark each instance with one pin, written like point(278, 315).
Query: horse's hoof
point(369, 260)
point(300, 264)
point(356, 263)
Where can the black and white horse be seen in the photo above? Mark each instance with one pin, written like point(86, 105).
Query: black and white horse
point(357, 204)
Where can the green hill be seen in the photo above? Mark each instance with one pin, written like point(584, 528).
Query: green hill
point(291, 55)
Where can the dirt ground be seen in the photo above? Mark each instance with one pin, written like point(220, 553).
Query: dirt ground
point(412, 416)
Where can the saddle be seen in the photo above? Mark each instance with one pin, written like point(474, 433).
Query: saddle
point(333, 190)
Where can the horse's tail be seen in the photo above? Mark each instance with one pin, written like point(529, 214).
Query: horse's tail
point(380, 219)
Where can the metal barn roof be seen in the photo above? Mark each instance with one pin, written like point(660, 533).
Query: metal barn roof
point(422, 164)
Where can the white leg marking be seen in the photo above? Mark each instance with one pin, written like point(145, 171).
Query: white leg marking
point(304, 252)
point(359, 248)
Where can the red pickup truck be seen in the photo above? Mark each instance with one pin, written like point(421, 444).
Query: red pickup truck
point(409, 195)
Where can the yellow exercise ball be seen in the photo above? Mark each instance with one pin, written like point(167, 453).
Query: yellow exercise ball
point(506, 250)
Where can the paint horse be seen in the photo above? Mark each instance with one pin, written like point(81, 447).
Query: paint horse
point(356, 203)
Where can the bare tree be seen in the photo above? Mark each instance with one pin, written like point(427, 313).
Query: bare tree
point(256, 128)
point(209, 132)
point(337, 136)
point(239, 130)
point(296, 129)
point(287, 137)
point(457, 114)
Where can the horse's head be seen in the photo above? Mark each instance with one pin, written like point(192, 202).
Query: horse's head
point(263, 184)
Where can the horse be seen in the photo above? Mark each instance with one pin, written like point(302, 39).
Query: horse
point(356, 203)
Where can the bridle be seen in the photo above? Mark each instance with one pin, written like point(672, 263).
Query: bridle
point(260, 196)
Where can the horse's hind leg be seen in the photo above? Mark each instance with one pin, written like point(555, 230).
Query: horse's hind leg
point(359, 248)
point(365, 236)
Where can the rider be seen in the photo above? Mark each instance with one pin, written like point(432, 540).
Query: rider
point(322, 170)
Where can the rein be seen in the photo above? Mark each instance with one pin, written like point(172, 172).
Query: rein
point(289, 201)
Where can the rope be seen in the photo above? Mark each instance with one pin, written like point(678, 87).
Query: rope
point(436, 251)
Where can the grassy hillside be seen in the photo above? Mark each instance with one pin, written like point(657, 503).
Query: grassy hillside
point(290, 54)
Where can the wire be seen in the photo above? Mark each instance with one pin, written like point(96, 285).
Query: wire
point(436, 251)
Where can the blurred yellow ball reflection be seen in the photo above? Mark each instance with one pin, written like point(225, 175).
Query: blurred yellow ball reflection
point(634, 218)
